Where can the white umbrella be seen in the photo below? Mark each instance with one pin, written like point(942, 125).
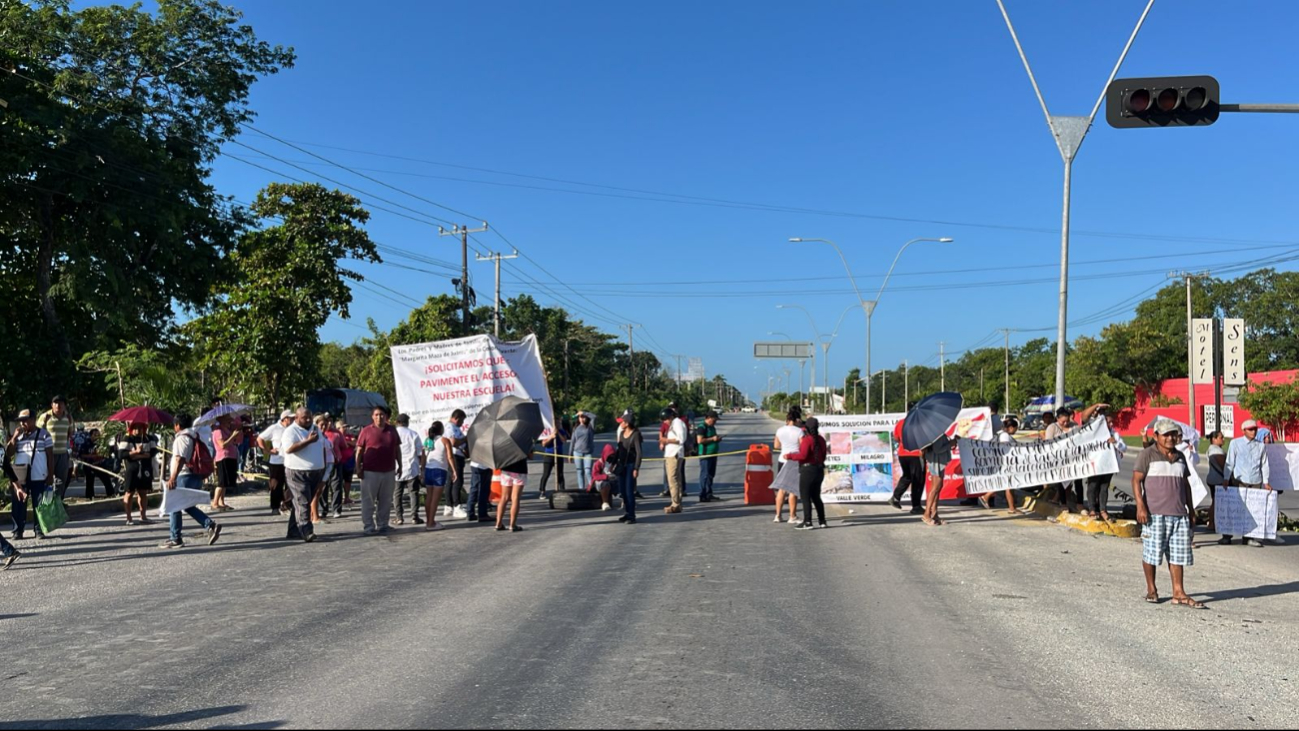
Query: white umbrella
point(212, 416)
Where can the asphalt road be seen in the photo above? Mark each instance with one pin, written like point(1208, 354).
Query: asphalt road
point(717, 617)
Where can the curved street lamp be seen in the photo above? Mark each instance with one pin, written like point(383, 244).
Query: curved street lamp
point(869, 306)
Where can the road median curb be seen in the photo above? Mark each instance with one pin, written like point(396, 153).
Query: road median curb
point(1061, 516)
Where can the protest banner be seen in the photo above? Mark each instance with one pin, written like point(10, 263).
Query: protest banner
point(859, 464)
point(182, 498)
point(1245, 511)
point(993, 466)
point(434, 379)
point(1283, 466)
point(971, 423)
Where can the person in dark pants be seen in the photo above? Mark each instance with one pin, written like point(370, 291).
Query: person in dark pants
point(811, 472)
point(268, 441)
point(303, 447)
point(708, 440)
point(480, 493)
point(552, 459)
point(31, 450)
point(456, 487)
point(630, 451)
point(913, 472)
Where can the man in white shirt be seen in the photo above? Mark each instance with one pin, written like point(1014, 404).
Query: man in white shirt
point(673, 454)
point(409, 469)
point(268, 442)
point(32, 450)
point(303, 448)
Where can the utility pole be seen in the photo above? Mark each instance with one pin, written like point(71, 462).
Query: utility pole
point(942, 368)
point(463, 232)
point(884, 392)
point(497, 258)
point(631, 349)
point(1005, 407)
point(982, 398)
point(678, 374)
point(906, 384)
point(1190, 345)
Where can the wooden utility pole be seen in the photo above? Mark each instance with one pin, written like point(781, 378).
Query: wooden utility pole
point(463, 232)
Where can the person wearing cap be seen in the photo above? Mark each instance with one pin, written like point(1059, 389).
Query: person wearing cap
point(674, 459)
point(707, 439)
point(378, 451)
point(913, 471)
point(268, 441)
point(583, 449)
point(409, 470)
point(1162, 489)
point(665, 425)
point(631, 449)
point(31, 452)
point(58, 422)
point(1072, 489)
point(1247, 467)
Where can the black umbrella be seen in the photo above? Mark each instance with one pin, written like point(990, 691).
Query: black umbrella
point(503, 432)
point(930, 419)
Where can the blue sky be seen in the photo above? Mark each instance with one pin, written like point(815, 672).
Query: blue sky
point(898, 110)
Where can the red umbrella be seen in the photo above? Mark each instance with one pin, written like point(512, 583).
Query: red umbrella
point(142, 415)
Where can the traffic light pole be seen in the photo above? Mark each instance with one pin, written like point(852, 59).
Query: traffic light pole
point(1068, 133)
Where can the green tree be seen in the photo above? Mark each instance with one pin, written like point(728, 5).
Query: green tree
point(263, 333)
point(1275, 404)
point(114, 118)
point(437, 319)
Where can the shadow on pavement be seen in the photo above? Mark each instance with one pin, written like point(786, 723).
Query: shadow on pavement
point(1253, 591)
point(137, 720)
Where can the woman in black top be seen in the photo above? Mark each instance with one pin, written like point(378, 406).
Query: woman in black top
point(630, 451)
point(137, 450)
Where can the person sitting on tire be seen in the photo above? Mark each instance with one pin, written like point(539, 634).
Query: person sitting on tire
point(601, 479)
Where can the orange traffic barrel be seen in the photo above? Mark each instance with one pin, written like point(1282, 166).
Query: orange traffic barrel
point(758, 476)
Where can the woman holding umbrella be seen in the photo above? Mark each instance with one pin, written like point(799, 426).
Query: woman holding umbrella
point(225, 438)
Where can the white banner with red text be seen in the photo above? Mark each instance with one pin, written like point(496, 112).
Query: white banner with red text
point(434, 379)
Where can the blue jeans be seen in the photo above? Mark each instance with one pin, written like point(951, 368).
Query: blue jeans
point(582, 462)
point(628, 486)
point(35, 490)
point(480, 492)
point(194, 483)
point(707, 471)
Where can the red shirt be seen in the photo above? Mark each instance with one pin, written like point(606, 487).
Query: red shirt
point(811, 450)
point(897, 439)
point(379, 448)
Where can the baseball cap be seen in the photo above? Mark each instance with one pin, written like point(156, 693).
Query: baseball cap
point(1249, 424)
point(286, 414)
point(626, 415)
point(1166, 426)
point(25, 414)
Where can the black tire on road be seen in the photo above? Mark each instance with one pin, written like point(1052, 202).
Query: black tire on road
point(575, 501)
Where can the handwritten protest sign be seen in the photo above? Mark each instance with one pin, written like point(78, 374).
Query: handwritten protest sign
point(434, 379)
point(1283, 466)
point(1245, 511)
point(992, 466)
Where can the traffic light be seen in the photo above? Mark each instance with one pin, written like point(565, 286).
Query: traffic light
point(1165, 101)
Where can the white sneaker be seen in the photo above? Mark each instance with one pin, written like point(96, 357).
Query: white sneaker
point(446, 511)
point(606, 506)
point(459, 512)
point(778, 520)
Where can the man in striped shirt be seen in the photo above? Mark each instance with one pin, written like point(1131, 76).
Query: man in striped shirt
point(58, 422)
point(1161, 485)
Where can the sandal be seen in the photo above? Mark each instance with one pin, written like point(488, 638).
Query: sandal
point(1152, 597)
point(1188, 602)
point(1012, 511)
point(1105, 516)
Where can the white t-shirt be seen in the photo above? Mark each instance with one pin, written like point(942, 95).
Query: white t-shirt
point(310, 457)
point(678, 432)
point(271, 435)
point(437, 457)
point(411, 448)
point(454, 432)
point(329, 451)
point(1005, 438)
point(789, 437)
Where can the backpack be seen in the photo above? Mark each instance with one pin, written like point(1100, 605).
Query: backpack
point(200, 462)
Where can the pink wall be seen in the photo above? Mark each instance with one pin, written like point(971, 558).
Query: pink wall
point(1131, 421)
